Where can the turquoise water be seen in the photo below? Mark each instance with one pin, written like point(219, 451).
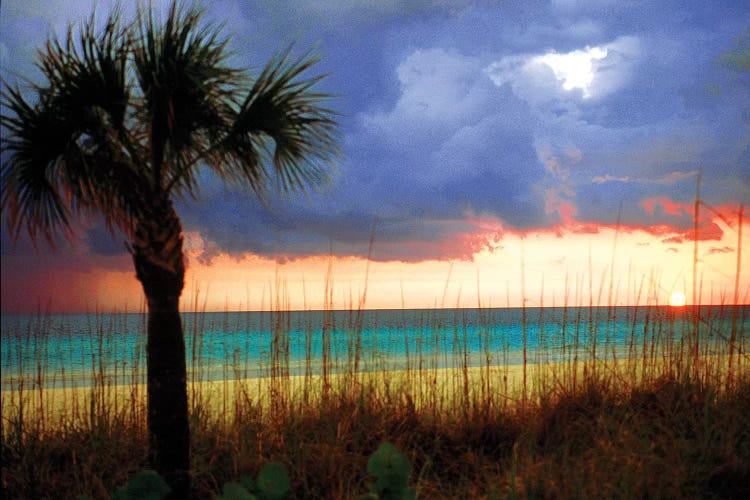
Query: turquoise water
point(73, 349)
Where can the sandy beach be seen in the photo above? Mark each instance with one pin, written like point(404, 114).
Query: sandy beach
point(444, 386)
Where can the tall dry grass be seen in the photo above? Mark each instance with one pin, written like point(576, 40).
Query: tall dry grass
point(665, 415)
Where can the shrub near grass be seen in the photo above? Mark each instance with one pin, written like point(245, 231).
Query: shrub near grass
point(666, 439)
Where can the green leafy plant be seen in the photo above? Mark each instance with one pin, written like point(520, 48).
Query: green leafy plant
point(391, 472)
point(146, 485)
point(272, 483)
point(387, 465)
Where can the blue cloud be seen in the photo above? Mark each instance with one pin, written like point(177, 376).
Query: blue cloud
point(455, 110)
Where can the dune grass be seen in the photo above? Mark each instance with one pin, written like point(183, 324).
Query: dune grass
point(656, 418)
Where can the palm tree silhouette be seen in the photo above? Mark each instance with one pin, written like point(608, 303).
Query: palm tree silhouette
point(128, 116)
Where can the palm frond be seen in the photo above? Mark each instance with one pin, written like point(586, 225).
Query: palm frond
point(187, 91)
point(282, 122)
point(30, 192)
point(90, 73)
point(128, 112)
point(73, 150)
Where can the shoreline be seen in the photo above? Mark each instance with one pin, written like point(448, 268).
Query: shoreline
point(450, 384)
point(55, 378)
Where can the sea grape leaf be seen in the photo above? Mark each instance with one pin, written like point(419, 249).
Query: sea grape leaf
point(409, 494)
point(235, 491)
point(248, 483)
point(273, 481)
point(146, 485)
point(390, 468)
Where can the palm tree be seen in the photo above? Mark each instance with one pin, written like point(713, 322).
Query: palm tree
point(128, 116)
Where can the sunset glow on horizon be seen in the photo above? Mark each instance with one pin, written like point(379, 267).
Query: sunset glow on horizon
point(497, 155)
point(552, 268)
point(677, 299)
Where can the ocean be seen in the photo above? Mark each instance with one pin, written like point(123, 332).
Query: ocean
point(80, 349)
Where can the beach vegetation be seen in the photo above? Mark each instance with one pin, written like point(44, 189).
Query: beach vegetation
point(646, 418)
point(129, 118)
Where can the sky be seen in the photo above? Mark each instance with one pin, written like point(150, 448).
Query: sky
point(493, 154)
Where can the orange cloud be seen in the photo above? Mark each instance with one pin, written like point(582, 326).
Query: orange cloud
point(482, 265)
point(715, 250)
point(675, 208)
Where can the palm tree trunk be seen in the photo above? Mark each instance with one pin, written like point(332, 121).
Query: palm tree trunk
point(158, 258)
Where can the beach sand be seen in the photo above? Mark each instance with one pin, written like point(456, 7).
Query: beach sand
point(441, 387)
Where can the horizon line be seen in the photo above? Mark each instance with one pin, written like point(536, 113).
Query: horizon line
point(386, 309)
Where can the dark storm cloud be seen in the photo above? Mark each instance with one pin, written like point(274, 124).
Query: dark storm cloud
point(456, 110)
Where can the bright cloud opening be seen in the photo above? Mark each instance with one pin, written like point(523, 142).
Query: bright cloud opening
point(575, 69)
point(542, 77)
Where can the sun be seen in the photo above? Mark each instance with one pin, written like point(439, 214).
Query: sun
point(677, 299)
